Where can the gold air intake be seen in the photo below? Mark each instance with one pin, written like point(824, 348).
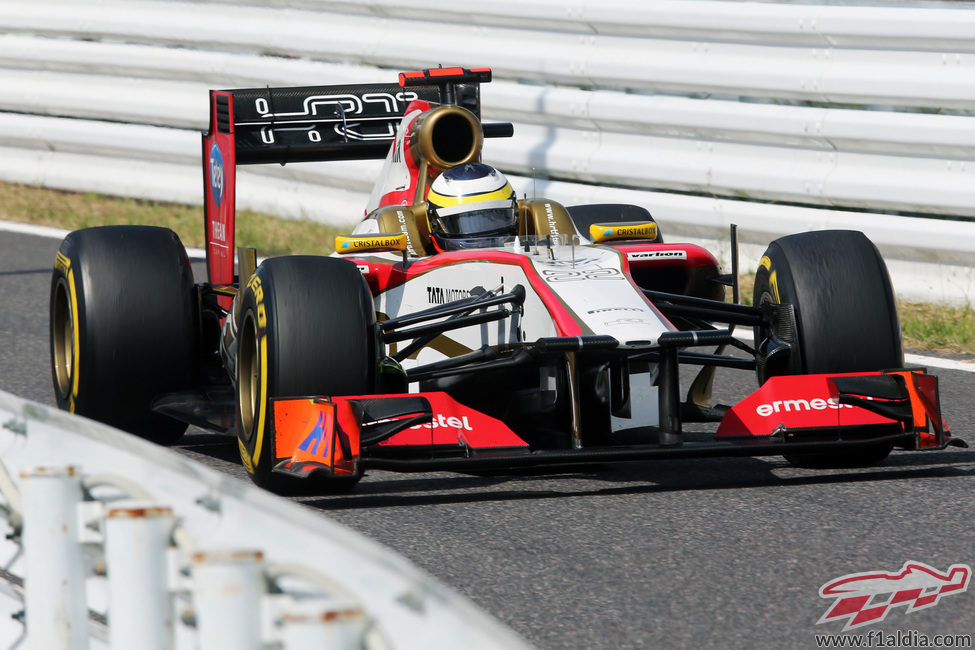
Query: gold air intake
point(445, 137)
point(441, 138)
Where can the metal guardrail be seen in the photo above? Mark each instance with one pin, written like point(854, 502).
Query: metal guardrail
point(112, 542)
point(780, 117)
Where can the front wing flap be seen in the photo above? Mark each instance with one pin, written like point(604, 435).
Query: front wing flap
point(431, 431)
point(315, 434)
point(329, 434)
point(846, 406)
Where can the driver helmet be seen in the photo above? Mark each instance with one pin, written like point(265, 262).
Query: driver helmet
point(470, 202)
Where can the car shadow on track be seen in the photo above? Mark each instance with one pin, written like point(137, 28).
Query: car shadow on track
point(384, 490)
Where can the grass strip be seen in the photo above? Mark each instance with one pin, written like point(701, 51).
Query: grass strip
point(73, 210)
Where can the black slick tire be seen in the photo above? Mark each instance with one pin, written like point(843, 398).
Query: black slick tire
point(123, 326)
point(307, 328)
point(845, 315)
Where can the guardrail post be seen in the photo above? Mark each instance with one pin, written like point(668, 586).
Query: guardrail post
point(329, 625)
point(227, 591)
point(140, 613)
point(56, 604)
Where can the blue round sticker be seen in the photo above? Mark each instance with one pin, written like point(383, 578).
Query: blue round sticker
point(216, 174)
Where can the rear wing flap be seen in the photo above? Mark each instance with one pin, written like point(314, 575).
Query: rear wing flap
point(282, 125)
point(310, 123)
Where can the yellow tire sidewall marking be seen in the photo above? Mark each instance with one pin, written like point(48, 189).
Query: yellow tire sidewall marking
point(63, 264)
point(262, 409)
point(251, 460)
point(245, 456)
point(76, 338)
point(773, 280)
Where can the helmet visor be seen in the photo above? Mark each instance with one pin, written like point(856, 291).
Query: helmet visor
point(485, 219)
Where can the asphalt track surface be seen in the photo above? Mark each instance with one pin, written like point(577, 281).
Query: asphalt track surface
point(715, 553)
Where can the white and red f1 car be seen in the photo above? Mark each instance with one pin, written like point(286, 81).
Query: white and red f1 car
point(561, 343)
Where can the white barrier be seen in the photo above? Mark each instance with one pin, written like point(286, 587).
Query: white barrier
point(780, 117)
point(115, 542)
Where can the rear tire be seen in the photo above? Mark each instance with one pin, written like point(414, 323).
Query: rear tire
point(307, 328)
point(845, 315)
point(123, 326)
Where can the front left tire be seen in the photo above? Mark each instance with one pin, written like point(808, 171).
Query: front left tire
point(845, 317)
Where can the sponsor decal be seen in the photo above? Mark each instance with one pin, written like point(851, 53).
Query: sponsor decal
point(606, 309)
point(453, 423)
point(866, 598)
point(773, 280)
point(573, 262)
point(440, 296)
point(217, 179)
point(795, 405)
point(658, 255)
point(401, 218)
point(255, 285)
point(604, 232)
point(571, 275)
point(369, 243)
point(800, 401)
point(218, 231)
point(440, 421)
point(553, 227)
point(338, 111)
point(62, 263)
point(619, 322)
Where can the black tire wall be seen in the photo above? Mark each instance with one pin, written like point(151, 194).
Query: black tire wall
point(845, 312)
point(319, 330)
point(136, 325)
point(846, 315)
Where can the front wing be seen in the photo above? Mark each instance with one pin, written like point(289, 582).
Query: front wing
point(342, 436)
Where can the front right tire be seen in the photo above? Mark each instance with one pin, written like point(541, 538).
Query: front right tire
point(307, 328)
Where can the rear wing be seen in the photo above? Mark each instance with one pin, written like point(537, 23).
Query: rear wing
point(310, 123)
